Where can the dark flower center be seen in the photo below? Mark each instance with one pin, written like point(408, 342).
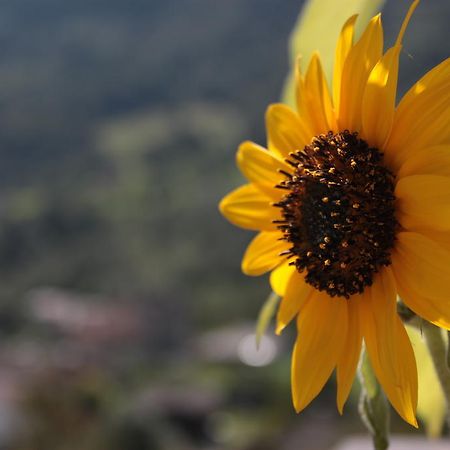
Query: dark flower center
point(338, 213)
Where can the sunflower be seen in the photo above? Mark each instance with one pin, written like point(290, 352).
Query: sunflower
point(351, 199)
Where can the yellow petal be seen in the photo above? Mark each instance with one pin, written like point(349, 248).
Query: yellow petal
point(348, 360)
point(378, 103)
point(262, 168)
point(422, 117)
point(345, 43)
point(263, 253)
point(429, 161)
point(442, 238)
point(248, 207)
point(380, 93)
point(286, 132)
point(322, 329)
point(316, 99)
point(302, 99)
point(360, 61)
point(423, 201)
point(294, 299)
point(422, 272)
point(280, 276)
point(388, 345)
point(405, 23)
point(431, 407)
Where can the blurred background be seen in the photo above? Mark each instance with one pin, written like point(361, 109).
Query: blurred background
point(125, 321)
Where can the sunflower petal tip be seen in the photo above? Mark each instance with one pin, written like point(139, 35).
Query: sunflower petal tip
point(223, 206)
point(405, 23)
point(302, 402)
point(376, 20)
point(413, 421)
point(298, 407)
point(242, 148)
point(279, 328)
point(270, 109)
point(245, 269)
point(350, 21)
point(410, 417)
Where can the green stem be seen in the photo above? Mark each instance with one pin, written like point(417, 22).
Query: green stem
point(438, 349)
point(448, 349)
point(373, 406)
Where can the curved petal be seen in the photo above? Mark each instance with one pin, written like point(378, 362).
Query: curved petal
point(406, 20)
point(348, 360)
point(286, 131)
point(380, 94)
point(378, 103)
point(421, 119)
point(388, 345)
point(322, 329)
point(294, 299)
point(280, 276)
point(429, 161)
point(315, 99)
point(248, 207)
point(263, 253)
point(424, 201)
point(301, 97)
point(422, 271)
point(359, 63)
point(345, 43)
point(262, 168)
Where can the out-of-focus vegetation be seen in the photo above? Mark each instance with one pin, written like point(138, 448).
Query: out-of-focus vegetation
point(122, 305)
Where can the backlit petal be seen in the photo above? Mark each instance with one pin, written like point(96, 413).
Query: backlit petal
point(343, 47)
point(359, 63)
point(424, 201)
point(388, 345)
point(286, 132)
point(348, 360)
point(422, 117)
point(302, 98)
point(429, 161)
point(379, 99)
point(248, 207)
point(280, 276)
point(317, 100)
point(261, 167)
point(322, 329)
point(422, 272)
point(263, 253)
point(294, 299)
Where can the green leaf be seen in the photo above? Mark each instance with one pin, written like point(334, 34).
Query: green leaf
point(431, 407)
point(318, 28)
point(265, 315)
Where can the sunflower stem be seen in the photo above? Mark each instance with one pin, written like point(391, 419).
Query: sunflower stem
point(439, 351)
point(448, 349)
point(373, 406)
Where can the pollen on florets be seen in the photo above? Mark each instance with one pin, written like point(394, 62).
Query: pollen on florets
point(338, 213)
